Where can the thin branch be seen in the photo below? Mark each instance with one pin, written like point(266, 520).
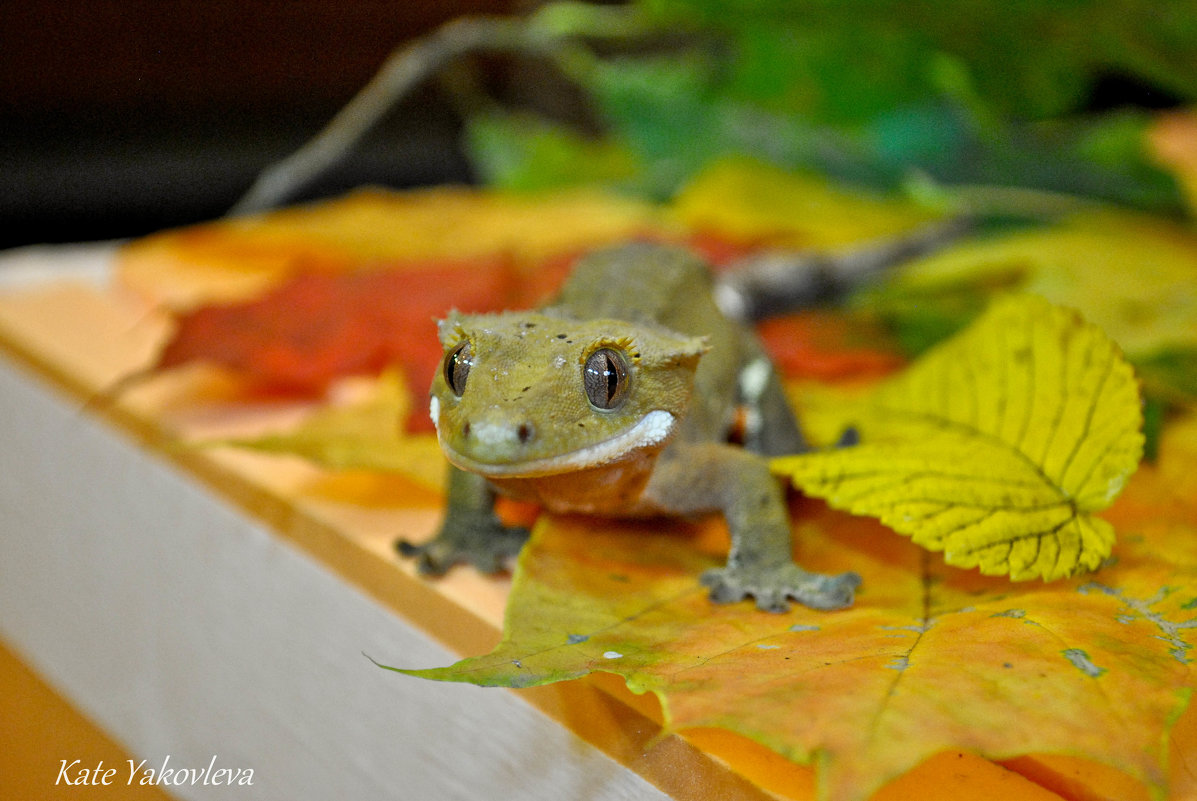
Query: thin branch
point(403, 71)
point(551, 32)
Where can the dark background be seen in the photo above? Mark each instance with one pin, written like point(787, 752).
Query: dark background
point(120, 117)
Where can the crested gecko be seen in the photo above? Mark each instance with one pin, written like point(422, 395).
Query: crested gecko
point(620, 399)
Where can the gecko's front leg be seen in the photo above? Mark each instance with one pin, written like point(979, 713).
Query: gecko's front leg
point(470, 533)
point(707, 477)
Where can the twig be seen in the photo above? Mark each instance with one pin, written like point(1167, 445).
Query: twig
point(403, 71)
point(549, 33)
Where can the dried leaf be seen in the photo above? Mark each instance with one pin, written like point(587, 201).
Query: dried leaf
point(316, 328)
point(366, 434)
point(997, 447)
point(931, 658)
point(237, 259)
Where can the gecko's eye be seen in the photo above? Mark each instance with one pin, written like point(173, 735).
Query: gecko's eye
point(457, 367)
point(605, 379)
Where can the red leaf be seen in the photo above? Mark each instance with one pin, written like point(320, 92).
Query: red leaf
point(826, 346)
point(316, 328)
point(719, 249)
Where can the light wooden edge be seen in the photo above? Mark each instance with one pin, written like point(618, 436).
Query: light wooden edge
point(602, 712)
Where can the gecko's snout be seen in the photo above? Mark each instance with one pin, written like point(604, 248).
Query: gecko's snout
point(497, 440)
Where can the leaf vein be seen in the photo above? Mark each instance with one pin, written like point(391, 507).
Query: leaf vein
point(1053, 531)
point(993, 439)
point(920, 629)
point(1089, 413)
point(1029, 412)
point(941, 474)
point(1058, 417)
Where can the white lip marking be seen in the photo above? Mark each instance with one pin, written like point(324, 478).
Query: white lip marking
point(434, 410)
point(653, 429)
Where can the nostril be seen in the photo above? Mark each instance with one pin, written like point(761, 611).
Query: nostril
point(465, 430)
point(524, 432)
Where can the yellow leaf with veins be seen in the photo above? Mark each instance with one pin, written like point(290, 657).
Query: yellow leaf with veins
point(997, 447)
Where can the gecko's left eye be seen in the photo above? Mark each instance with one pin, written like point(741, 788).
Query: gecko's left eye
point(457, 367)
point(605, 379)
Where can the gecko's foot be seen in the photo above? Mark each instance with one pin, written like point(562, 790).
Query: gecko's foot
point(489, 547)
point(774, 586)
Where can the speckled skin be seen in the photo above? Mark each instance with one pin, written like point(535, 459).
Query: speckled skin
point(516, 418)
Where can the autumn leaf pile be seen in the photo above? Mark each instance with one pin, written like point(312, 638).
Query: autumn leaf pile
point(1003, 447)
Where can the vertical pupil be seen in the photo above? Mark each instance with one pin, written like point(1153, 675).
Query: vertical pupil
point(457, 368)
point(612, 376)
point(605, 379)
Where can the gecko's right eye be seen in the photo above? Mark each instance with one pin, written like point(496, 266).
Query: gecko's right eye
point(605, 379)
point(457, 367)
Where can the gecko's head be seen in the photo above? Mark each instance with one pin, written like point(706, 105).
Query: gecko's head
point(526, 394)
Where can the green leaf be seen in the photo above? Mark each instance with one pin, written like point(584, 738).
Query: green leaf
point(663, 110)
point(524, 154)
point(850, 46)
point(869, 92)
point(1170, 373)
point(997, 447)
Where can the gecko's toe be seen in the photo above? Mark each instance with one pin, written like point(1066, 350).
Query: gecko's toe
point(430, 560)
point(490, 547)
point(829, 592)
point(773, 587)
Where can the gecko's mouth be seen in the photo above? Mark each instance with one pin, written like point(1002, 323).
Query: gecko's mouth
point(652, 430)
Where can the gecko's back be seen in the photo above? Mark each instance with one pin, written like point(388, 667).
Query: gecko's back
point(640, 283)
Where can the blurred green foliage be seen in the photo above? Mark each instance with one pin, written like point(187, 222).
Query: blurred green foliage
point(873, 92)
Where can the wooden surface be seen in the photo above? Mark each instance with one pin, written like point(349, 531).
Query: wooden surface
point(82, 340)
point(42, 728)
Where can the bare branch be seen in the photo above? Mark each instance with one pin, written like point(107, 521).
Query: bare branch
point(403, 71)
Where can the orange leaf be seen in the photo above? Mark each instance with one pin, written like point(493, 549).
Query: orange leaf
point(235, 259)
point(930, 659)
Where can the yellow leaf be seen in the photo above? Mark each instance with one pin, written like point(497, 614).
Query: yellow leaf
point(365, 434)
point(755, 204)
point(235, 259)
point(997, 447)
point(1133, 275)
